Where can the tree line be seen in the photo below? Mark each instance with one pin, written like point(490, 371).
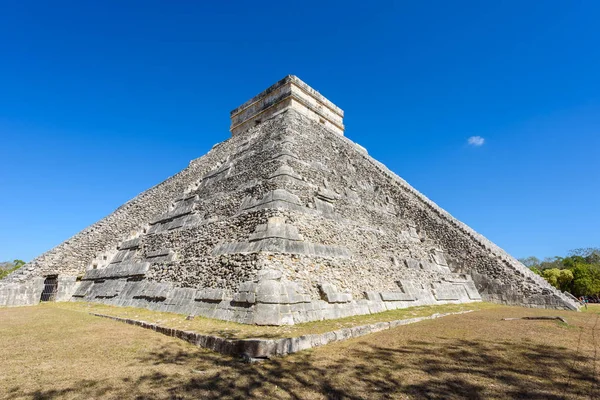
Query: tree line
point(9, 266)
point(578, 273)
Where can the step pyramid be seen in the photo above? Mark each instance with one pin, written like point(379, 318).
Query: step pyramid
point(286, 222)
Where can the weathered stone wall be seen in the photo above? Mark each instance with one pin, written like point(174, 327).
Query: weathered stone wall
point(500, 277)
point(382, 223)
point(332, 232)
point(23, 293)
point(365, 228)
point(73, 256)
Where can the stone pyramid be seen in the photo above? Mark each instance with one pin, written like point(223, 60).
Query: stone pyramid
point(286, 222)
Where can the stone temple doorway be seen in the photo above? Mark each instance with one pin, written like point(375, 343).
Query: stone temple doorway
point(50, 288)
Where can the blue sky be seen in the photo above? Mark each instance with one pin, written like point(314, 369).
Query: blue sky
point(102, 100)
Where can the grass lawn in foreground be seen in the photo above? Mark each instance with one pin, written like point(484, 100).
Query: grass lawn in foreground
point(55, 352)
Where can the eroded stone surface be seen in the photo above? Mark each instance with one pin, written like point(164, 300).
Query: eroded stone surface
point(285, 222)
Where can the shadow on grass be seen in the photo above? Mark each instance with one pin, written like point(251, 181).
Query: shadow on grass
point(440, 369)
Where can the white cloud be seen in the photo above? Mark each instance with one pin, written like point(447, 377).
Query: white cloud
point(476, 141)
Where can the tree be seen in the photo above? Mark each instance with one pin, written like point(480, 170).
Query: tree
point(530, 262)
point(579, 273)
point(536, 271)
point(7, 267)
point(565, 278)
point(551, 262)
point(586, 280)
point(551, 275)
point(559, 278)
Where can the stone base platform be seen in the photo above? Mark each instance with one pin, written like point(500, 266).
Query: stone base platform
point(263, 349)
point(269, 299)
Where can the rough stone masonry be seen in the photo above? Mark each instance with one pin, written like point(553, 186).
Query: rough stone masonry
point(286, 222)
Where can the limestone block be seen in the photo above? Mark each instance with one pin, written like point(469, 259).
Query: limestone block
point(174, 224)
point(296, 297)
point(155, 291)
point(188, 220)
point(408, 288)
point(191, 197)
point(287, 172)
point(133, 289)
point(360, 148)
point(327, 195)
point(117, 271)
point(323, 206)
point(259, 348)
point(360, 307)
point(269, 274)
point(456, 278)
point(327, 289)
point(284, 155)
point(244, 297)
point(340, 298)
point(428, 266)
point(413, 264)
point(352, 195)
point(471, 290)
point(107, 289)
point(275, 228)
point(211, 294)
point(177, 212)
point(159, 253)
point(272, 314)
point(389, 209)
point(331, 294)
point(21, 294)
point(376, 307)
point(270, 291)
point(248, 286)
point(217, 172)
point(180, 296)
point(158, 256)
point(412, 231)
point(130, 244)
point(438, 257)
point(83, 289)
point(449, 292)
point(279, 245)
point(396, 296)
point(278, 198)
point(373, 296)
point(120, 256)
point(66, 287)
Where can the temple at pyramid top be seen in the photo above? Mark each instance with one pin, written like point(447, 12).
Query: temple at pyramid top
point(288, 93)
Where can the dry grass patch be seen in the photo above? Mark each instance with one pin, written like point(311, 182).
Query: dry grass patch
point(50, 352)
point(241, 331)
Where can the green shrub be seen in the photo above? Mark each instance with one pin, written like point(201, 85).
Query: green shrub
point(7, 267)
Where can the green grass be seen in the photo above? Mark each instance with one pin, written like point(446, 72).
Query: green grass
point(242, 331)
point(56, 352)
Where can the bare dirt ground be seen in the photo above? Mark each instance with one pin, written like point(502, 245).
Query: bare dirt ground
point(52, 351)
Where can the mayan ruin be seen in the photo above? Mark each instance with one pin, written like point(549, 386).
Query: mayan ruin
point(286, 222)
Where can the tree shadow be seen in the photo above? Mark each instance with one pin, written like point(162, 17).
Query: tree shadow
point(439, 368)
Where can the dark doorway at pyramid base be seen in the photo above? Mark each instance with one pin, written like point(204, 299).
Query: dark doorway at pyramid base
point(50, 288)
